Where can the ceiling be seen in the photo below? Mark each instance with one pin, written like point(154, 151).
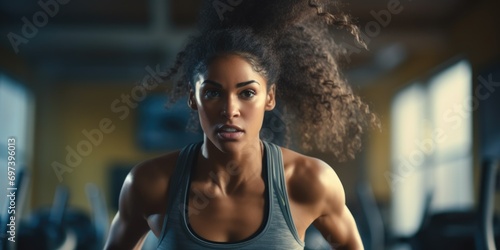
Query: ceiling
point(116, 40)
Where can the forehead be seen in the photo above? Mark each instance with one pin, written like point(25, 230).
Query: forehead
point(232, 69)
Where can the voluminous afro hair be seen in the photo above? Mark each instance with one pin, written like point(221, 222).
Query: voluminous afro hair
point(290, 43)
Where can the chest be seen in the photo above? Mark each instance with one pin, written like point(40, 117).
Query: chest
point(226, 218)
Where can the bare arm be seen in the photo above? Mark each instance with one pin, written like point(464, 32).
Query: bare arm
point(144, 194)
point(129, 227)
point(123, 235)
point(336, 222)
point(339, 230)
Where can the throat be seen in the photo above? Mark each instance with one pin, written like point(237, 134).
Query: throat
point(211, 156)
point(229, 175)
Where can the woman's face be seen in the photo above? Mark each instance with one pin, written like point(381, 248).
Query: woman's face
point(231, 99)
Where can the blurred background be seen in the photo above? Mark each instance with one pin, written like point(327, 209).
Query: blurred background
point(69, 97)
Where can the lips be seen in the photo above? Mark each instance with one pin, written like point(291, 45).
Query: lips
point(229, 132)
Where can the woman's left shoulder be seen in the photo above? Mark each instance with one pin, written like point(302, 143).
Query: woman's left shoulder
point(310, 179)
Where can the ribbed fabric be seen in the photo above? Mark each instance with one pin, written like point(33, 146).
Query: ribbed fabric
point(277, 231)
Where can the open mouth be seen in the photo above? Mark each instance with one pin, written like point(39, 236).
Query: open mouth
point(229, 132)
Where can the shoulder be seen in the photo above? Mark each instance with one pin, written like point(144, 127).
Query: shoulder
point(317, 196)
point(145, 189)
point(312, 182)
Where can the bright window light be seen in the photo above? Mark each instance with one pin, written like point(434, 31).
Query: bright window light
point(451, 109)
point(431, 147)
point(407, 176)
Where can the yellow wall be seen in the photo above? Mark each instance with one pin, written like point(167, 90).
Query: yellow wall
point(65, 111)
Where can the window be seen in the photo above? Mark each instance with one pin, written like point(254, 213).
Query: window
point(17, 116)
point(450, 105)
point(408, 177)
point(431, 152)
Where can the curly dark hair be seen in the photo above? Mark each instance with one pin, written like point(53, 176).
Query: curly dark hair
point(255, 49)
point(290, 43)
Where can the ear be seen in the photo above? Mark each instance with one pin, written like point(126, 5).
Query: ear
point(270, 98)
point(192, 100)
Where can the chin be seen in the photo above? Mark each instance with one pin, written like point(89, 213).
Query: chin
point(229, 146)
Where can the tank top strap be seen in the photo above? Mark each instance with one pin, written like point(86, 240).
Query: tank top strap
point(277, 173)
point(186, 158)
point(177, 179)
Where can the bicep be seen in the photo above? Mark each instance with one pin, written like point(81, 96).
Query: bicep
point(339, 229)
point(129, 227)
point(336, 222)
point(126, 234)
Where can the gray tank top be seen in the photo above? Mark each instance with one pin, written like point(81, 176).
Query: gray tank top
point(277, 231)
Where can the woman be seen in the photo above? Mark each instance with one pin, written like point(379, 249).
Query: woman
point(234, 190)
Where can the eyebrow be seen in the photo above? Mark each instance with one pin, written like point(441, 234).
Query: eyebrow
point(238, 85)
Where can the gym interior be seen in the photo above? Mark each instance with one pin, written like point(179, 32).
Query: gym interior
point(74, 121)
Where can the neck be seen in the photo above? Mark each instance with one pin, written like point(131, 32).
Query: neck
point(230, 170)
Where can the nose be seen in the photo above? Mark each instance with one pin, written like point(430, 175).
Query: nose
point(231, 107)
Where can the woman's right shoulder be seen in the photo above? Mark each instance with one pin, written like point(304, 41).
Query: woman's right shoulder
point(156, 168)
point(147, 183)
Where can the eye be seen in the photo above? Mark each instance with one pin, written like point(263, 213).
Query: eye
point(248, 93)
point(211, 93)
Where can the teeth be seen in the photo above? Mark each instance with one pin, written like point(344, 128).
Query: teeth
point(229, 129)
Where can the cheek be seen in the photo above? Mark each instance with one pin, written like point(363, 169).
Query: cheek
point(206, 121)
point(255, 110)
point(254, 113)
point(206, 114)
